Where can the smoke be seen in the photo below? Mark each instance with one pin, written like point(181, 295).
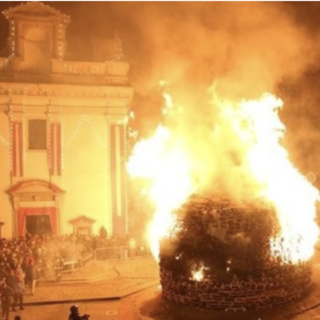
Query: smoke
point(229, 51)
point(232, 50)
point(248, 47)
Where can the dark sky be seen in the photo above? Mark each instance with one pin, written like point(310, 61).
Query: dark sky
point(245, 48)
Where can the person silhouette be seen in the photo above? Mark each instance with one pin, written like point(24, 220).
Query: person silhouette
point(74, 315)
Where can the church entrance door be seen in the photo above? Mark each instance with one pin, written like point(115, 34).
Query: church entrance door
point(38, 224)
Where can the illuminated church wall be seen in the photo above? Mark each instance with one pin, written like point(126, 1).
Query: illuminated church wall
point(86, 169)
point(62, 130)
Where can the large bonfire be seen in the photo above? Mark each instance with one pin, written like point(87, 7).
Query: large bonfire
point(234, 223)
point(242, 152)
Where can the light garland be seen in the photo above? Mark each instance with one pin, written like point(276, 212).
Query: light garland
point(4, 141)
point(96, 134)
point(6, 62)
point(12, 36)
point(118, 53)
point(77, 130)
point(60, 42)
point(85, 119)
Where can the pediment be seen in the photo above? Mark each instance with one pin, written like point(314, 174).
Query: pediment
point(35, 9)
point(34, 187)
point(82, 221)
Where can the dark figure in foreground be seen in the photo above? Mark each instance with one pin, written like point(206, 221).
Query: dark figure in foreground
point(74, 315)
point(17, 288)
point(6, 298)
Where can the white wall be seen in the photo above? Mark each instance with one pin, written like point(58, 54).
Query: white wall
point(85, 175)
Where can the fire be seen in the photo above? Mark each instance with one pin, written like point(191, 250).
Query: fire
point(291, 193)
point(198, 274)
point(165, 164)
point(253, 130)
point(278, 180)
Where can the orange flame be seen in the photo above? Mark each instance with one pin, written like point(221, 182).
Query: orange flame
point(198, 274)
point(291, 193)
point(166, 166)
point(253, 130)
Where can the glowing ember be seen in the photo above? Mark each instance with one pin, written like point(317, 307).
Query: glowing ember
point(245, 140)
point(197, 275)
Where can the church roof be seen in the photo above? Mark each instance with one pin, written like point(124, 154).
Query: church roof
point(35, 10)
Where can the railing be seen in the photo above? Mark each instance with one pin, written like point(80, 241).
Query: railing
point(72, 263)
point(119, 253)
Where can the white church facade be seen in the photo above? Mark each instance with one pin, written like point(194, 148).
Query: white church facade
point(62, 131)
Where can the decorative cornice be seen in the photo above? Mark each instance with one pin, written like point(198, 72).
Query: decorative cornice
point(35, 11)
point(25, 185)
point(28, 90)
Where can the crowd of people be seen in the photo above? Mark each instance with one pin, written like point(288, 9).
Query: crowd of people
point(23, 260)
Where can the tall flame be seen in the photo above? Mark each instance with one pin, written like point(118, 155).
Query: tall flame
point(291, 193)
point(174, 171)
point(164, 163)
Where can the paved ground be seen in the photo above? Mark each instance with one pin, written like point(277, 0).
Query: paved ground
point(101, 280)
point(130, 291)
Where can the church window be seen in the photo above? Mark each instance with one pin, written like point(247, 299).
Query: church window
point(37, 134)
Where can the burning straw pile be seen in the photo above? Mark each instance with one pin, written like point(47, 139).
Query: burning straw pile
point(219, 257)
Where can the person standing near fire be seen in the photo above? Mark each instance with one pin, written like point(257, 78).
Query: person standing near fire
point(20, 275)
point(6, 294)
point(31, 272)
point(18, 291)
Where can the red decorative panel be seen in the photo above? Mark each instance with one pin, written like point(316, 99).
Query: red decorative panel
point(17, 149)
point(55, 149)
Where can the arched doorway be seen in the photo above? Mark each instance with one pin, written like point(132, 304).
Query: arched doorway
point(36, 205)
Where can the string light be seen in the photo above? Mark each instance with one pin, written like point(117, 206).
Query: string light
point(74, 134)
point(118, 53)
point(61, 36)
point(96, 134)
point(86, 119)
point(4, 141)
point(12, 37)
point(6, 61)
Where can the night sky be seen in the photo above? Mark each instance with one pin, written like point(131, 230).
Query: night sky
point(250, 47)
